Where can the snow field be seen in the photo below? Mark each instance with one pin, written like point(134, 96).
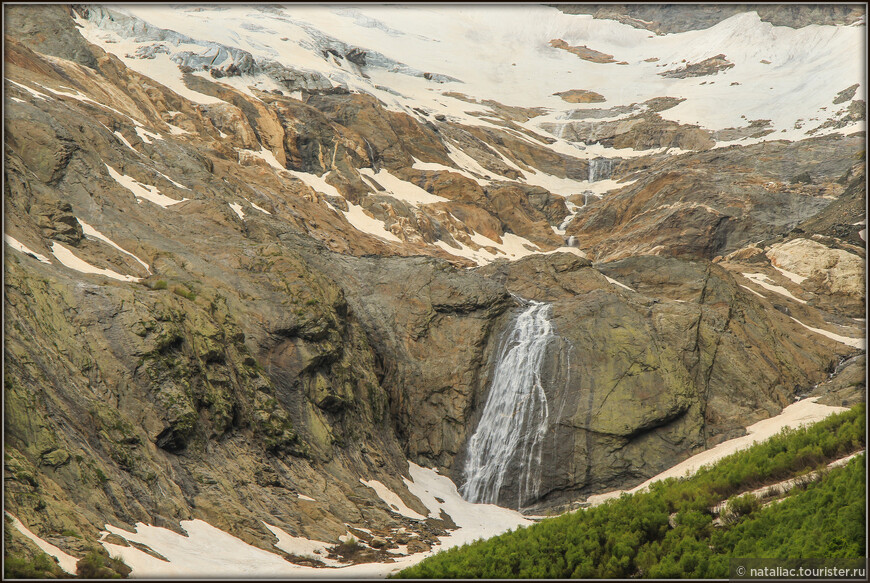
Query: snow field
point(523, 70)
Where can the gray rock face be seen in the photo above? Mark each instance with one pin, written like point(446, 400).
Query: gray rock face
point(643, 131)
point(640, 380)
point(47, 30)
point(430, 326)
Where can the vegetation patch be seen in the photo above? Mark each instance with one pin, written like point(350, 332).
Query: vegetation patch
point(97, 565)
point(669, 531)
point(41, 566)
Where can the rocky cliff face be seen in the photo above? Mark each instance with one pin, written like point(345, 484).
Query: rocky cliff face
point(709, 204)
point(234, 302)
point(661, 367)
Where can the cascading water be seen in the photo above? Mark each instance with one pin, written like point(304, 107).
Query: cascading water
point(509, 438)
point(600, 169)
point(572, 212)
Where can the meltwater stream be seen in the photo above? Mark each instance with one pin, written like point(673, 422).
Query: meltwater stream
point(509, 437)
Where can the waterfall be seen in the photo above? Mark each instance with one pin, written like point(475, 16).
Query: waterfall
point(600, 169)
point(508, 442)
point(572, 212)
point(372, 160)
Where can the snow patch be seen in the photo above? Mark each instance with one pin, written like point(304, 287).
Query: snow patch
point(798, 279)
point(747, 288)
point(67, 562)
point(855, 342)
point(762, 280)
point(357, 217)
point(392, 499)
point(33, 92)
point(18, 246)
point(471, 166)
point(434, 166)
point(237, 208)
point(318, 183)
point(92, 232)
point(68, 259)
point(401, 189)
point(177, 185)
point(474, 520)
point(142, 191)
point(124, 141)
point(145, 135)
point(79, 96)
point(264, 154)
point(208, 552)
point(614, 282)
point(259, 208)
point(302, 547)
point(175, 130)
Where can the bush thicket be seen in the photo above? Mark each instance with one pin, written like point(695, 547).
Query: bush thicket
point(632, 536)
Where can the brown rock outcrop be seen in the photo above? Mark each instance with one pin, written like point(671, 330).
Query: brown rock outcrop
point(581, 96)
point(583, 52)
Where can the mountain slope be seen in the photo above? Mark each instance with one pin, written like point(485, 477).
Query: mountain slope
point(248, 279)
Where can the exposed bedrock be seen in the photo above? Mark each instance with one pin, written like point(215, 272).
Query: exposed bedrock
point(639, 381)
point(711, 203)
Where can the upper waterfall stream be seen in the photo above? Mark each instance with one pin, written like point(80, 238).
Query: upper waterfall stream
point(507, 443)
point(600, 169)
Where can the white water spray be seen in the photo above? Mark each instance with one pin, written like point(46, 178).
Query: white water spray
point(509, 438)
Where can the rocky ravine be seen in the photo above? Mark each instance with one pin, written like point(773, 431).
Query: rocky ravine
point(196, 326)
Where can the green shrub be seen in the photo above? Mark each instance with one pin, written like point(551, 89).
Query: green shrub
point(41, 566)
point(183, 292)
point(739, 506)
point(631, 536)
point(101, 475)
point(96, 565)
